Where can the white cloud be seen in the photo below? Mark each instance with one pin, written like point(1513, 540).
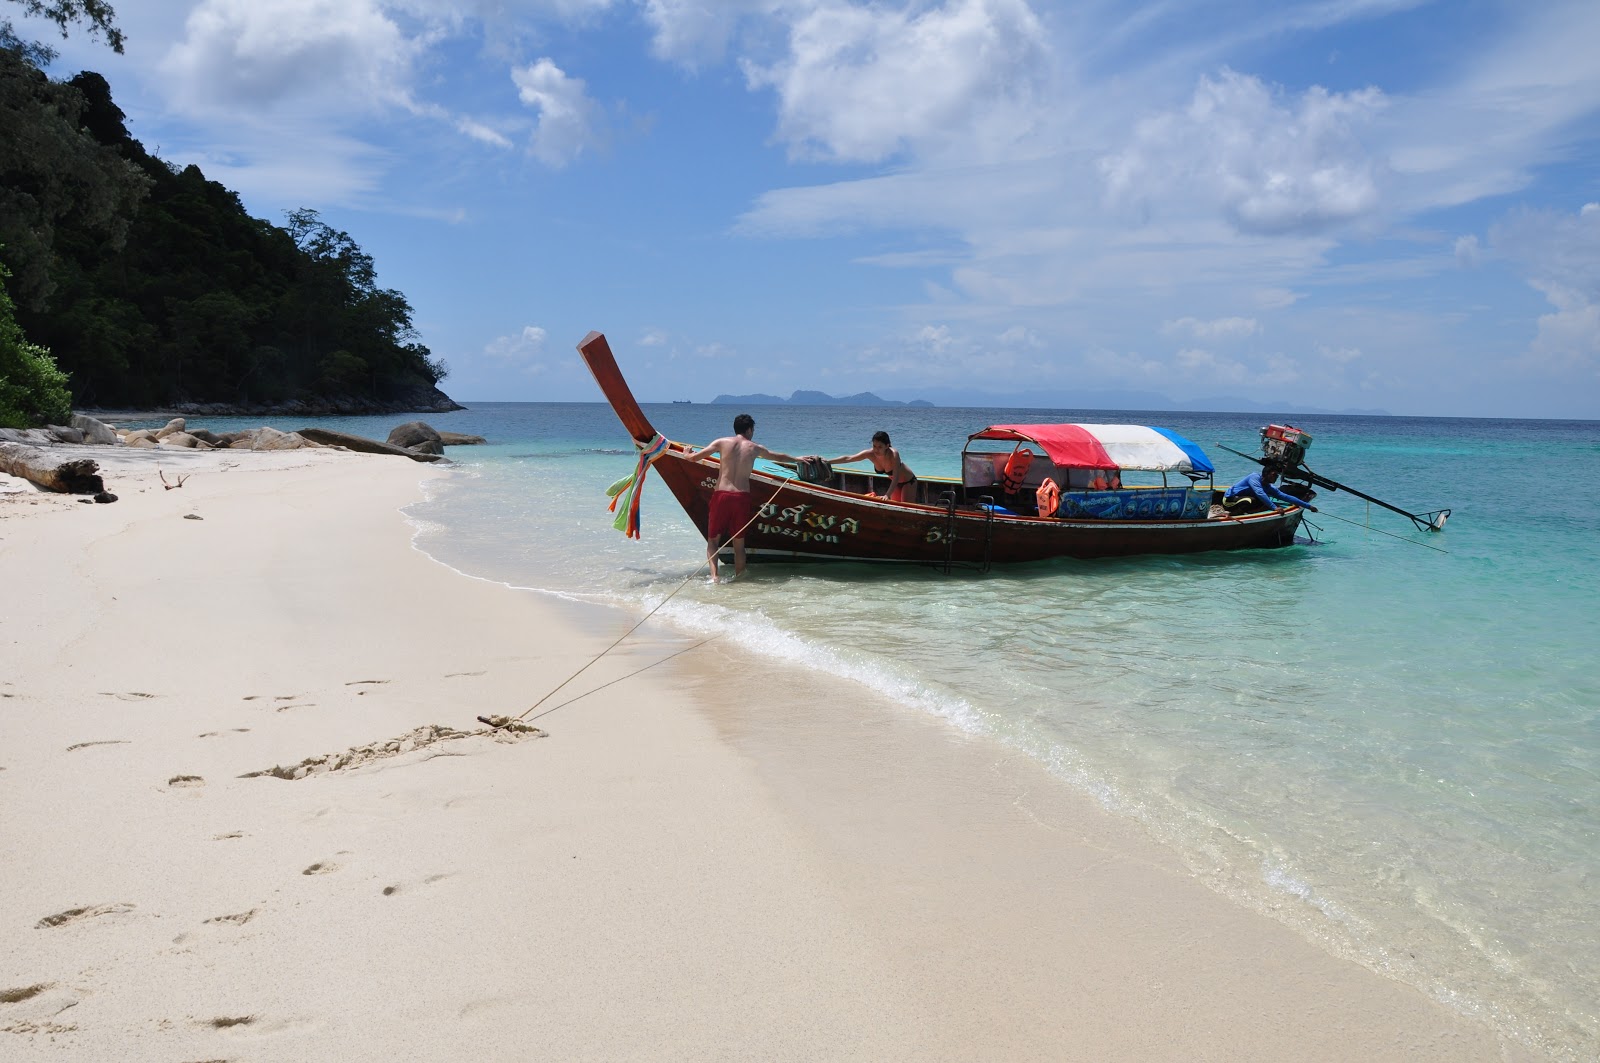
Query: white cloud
point(1196, 362)
point(863, 83)
point(1561, 256)
point(1269, 165)
point(523, 351)
point(1570, 337)
point(1019, 336)
point(697, 32)
point(1468, 253)
point(568, 118)
point(1221, 328)
point(336, 55)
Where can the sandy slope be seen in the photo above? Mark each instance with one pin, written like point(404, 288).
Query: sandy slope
point(707, 860)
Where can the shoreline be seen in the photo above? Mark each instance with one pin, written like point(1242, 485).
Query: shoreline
point(718, 857)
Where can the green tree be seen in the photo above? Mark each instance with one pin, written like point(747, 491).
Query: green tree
point(32, 390)
point(53, 171)
point(98, 14)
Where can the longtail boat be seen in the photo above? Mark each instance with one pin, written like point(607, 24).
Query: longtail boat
point(991, 515)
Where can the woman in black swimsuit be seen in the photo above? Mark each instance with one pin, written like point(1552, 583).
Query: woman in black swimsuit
point(886, 461)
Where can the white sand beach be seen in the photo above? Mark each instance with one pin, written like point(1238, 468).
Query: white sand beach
point(712, 859)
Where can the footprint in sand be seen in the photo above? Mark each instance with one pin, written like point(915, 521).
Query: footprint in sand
point(365, 682)
point(220, 921)
point(103, 742)
point(225, 837)
point(130, 695)
point(297, 705)
point(17, 996)
point(390, 891)
point(321, 867)
point(216, 734)
point(455, 675)
point(226, 1022)
point(237, 919)
point(74, 915)
point(185, 781)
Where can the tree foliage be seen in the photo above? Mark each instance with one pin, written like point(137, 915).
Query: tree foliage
point(33, 391)
point(96, 13)
point(154, 286)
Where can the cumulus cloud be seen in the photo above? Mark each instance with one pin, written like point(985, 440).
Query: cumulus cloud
point(1271, 165)
point(862, 83)
point(568, 118)
point(340, 54)
point(1221, 328)
point(1561, 256)
point(523, 351)
point(696, 32)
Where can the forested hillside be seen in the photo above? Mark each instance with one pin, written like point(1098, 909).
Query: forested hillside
point(153, 287)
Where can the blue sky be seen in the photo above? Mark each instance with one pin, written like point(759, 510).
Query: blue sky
point(1335, 203)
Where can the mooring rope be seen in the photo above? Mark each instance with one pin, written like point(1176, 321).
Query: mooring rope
point(1380, 531)
point(736, 535)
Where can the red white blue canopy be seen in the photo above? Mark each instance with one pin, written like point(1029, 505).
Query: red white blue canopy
point(1106, 446)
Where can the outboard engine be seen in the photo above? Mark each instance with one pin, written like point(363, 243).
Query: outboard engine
point(1284, 445)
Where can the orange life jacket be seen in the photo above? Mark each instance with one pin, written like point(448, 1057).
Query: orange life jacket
point(1049, 495)
point(1097, 482)
point(1016, 469)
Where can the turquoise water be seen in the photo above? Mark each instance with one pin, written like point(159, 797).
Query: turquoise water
point(1394, 749)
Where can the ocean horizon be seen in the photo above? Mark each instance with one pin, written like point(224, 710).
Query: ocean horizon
point(1386, 739)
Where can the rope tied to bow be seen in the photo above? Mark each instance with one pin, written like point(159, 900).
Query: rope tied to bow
point(626, 492)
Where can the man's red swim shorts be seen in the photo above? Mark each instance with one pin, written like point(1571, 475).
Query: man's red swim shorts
point(730, 510)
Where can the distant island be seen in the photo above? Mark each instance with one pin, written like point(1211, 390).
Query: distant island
point(814, 398)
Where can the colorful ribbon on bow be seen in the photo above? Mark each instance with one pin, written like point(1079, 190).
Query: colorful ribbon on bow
point(629, 489)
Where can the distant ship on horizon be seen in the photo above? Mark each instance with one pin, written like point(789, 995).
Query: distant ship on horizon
point(683, 402)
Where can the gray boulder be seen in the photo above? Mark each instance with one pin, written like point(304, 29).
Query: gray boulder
point(413, 432)
point(95, 431)
point(64, 434)
point(363, 445)
point(272, 439)
point(456, 439)
point(28, 436)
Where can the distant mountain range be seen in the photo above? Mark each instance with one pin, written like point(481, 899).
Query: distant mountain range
point(1050, 400)
point(813, 398)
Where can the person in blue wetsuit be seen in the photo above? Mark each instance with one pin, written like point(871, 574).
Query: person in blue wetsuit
point(1256, 492)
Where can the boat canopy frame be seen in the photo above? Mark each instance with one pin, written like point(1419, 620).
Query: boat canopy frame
point(1103, 447)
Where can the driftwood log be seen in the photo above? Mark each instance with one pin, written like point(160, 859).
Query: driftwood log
point(76, 476)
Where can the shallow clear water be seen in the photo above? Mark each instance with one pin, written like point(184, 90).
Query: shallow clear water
point(1394, 749)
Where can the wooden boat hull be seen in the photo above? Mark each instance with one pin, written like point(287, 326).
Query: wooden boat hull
point(800, 521)
point(804, 521)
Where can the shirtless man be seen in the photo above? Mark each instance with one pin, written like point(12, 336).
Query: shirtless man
point(730, 503)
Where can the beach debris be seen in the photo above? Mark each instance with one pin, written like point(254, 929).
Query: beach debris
point(510, 725)
point(186, 780)
point(413, 740)
point(173, 487)
point(74, 476)
point(193, 516)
